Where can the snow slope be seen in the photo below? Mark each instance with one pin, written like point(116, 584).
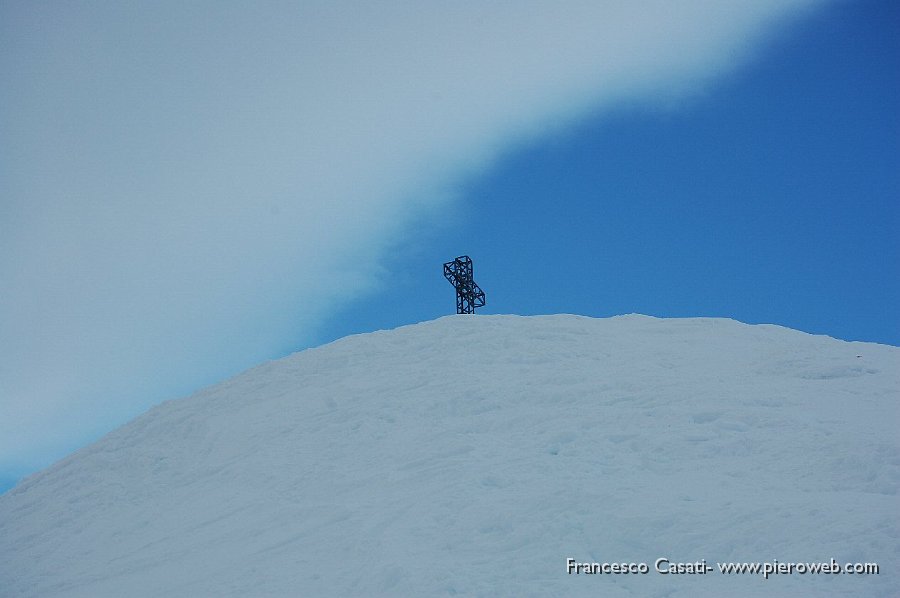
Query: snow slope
point(472, 455)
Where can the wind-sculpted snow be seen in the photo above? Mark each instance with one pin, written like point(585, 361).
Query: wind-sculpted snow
point(474, 455)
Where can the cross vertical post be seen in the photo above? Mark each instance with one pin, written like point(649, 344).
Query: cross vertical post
point(468, 294)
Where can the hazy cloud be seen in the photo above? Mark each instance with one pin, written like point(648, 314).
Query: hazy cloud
point(186, 187)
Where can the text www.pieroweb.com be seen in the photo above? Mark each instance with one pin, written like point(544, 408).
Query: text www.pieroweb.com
point(665, 566)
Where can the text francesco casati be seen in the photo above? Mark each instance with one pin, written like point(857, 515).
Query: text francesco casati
point(665, 566)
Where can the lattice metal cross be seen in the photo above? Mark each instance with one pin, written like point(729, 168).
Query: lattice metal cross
point(468, 294)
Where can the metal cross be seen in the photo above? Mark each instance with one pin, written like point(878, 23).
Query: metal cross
point(468, 294)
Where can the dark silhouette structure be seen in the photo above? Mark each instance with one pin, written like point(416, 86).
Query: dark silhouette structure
point(468, 294)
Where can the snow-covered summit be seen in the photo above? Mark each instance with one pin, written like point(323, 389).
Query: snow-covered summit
point(474, 455)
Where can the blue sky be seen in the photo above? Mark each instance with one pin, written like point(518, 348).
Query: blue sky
point(771, 196)
point(188, 190)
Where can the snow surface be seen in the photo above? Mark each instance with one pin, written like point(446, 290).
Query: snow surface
point(472, 455)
